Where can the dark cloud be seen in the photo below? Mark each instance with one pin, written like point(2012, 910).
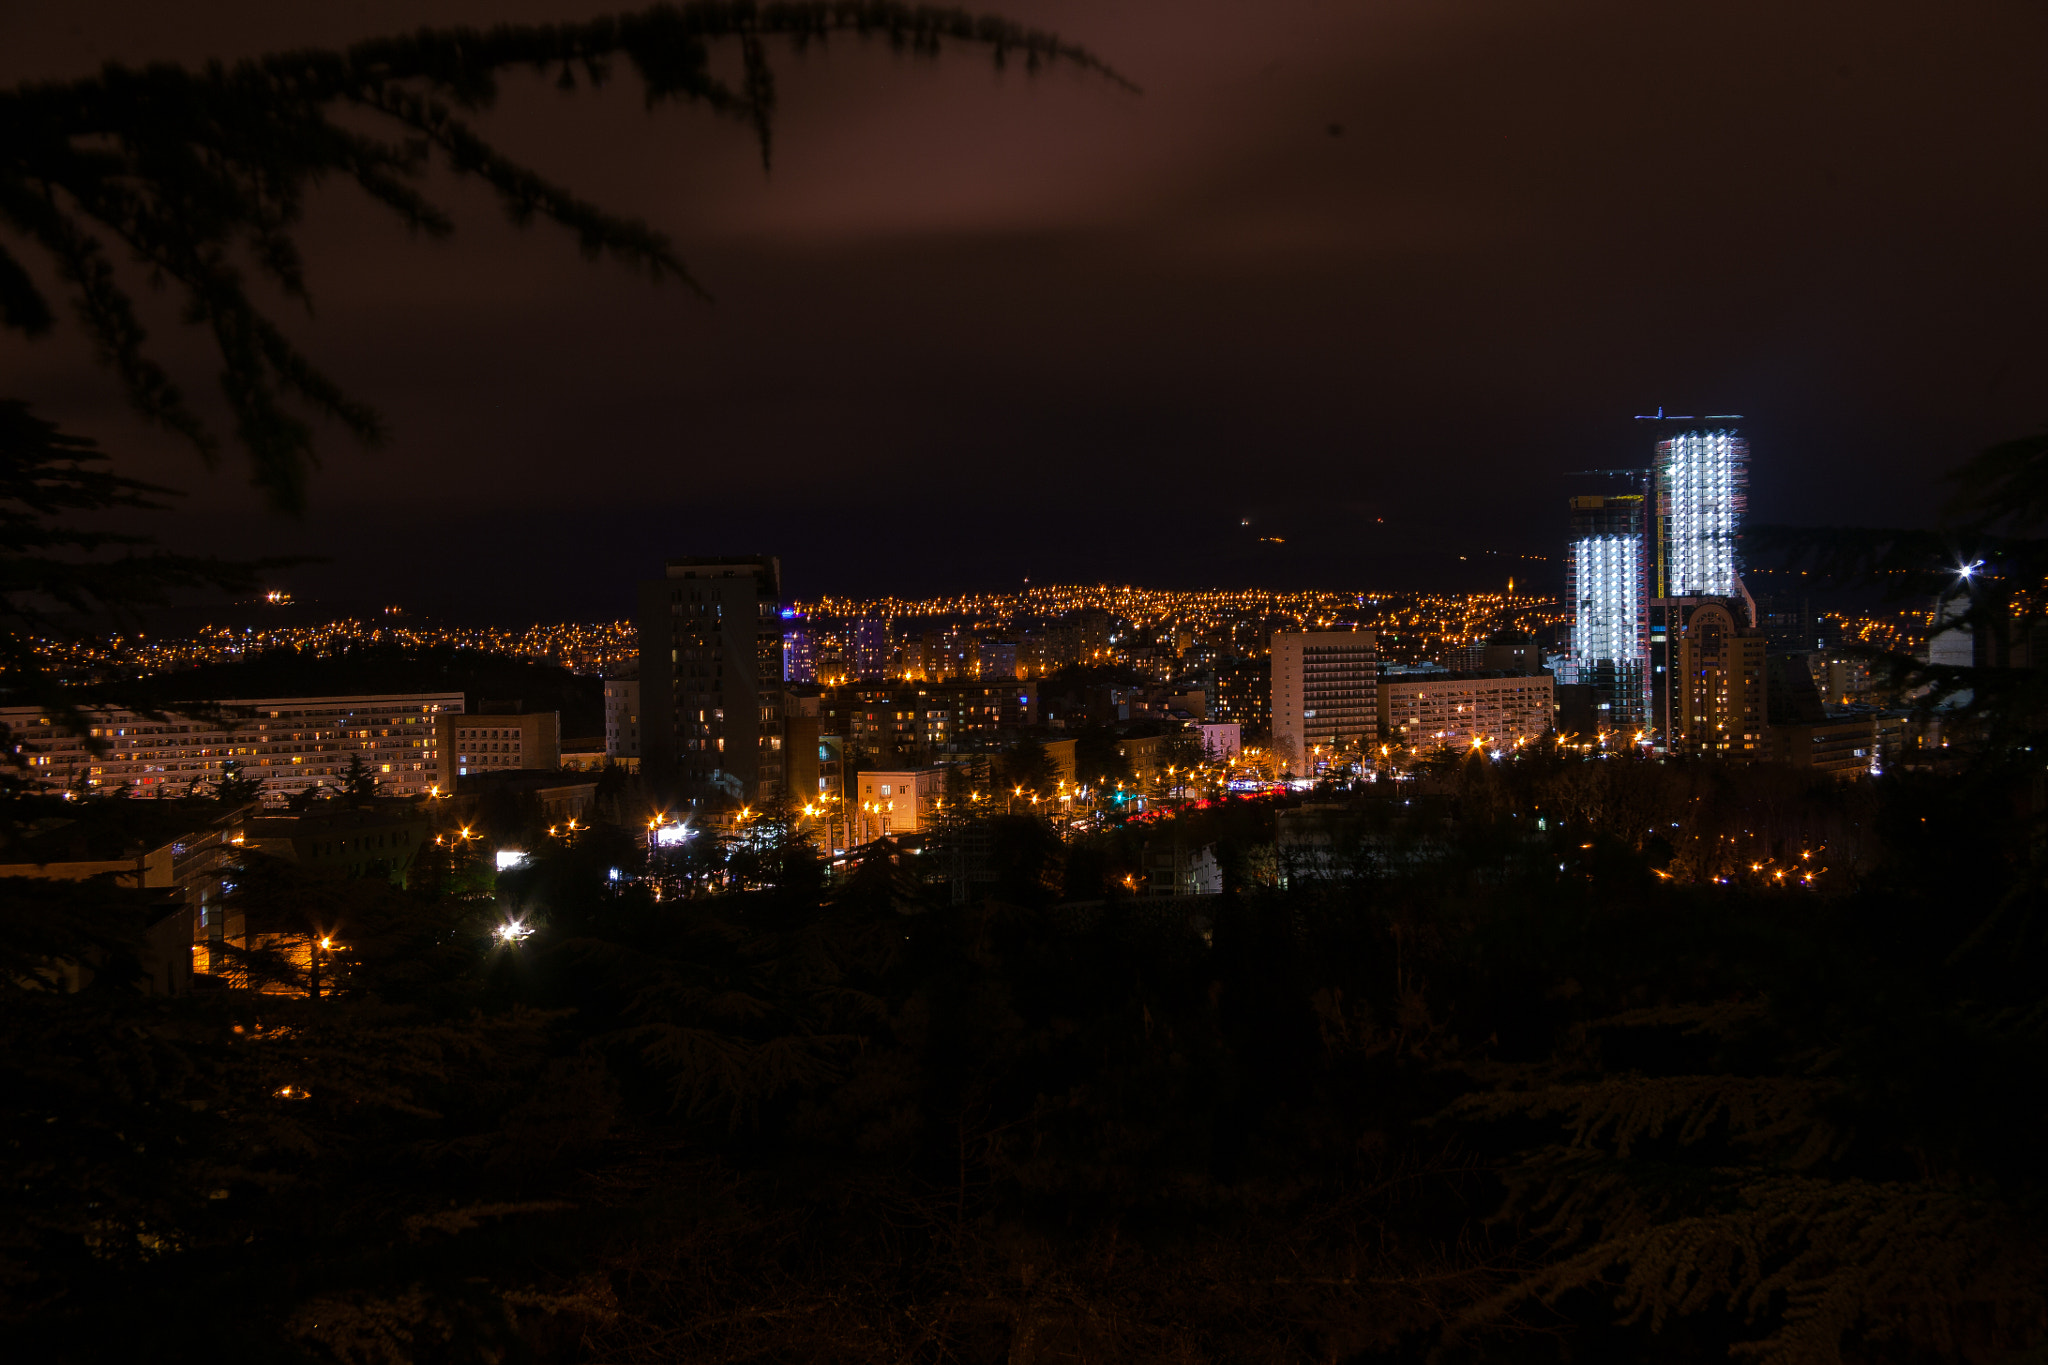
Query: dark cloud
point(974, 326)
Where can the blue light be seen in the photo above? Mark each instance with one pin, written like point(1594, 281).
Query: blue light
point(788, 612)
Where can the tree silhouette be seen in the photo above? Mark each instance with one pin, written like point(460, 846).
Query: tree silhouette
point(199, 177)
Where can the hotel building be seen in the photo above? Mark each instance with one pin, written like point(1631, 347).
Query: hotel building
point(1428, 711)
point(289, 744)
point(1324, 690)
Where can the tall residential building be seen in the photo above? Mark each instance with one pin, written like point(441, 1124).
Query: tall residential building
point(1607, 570)
point(710, 677)
point(870, 654)
point(1324, 689)
point(289, 744)
point(1243, 692)
point(799, 654)
point(1702, 480)
point(1720, 694)
point(622, 718)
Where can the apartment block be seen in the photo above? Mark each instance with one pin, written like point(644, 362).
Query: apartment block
point(711, 677)
point(622, 718)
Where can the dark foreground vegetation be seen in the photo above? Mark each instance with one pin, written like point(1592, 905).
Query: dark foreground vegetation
point(1470, 1089)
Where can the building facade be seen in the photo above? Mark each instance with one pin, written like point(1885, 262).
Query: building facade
point(894, 722)
point(1426, 711)
point(622, 718)
point(710, 677)
point(799, 654)
point(1702, 483)
point(895, 802)
point(485, 742)
point(289, 744)
point(1324, 691)
point(1720, 696)
point(1607, 572)
point(1244, 692)
point(1845, 747)
point(870, 653)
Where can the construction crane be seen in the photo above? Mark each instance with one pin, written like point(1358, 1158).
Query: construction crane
point(1661, 416)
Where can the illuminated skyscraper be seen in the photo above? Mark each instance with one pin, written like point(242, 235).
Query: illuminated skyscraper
point(1701, 482)
point(1607, 568)
point(1702, 478)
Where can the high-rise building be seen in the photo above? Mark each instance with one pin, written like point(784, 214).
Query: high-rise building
point(1607, 569)
point(1702, 480)
point(710, 677)
point(799, 654)
point(1324, 690)
point(1243, 692)
point(1698, 491)
point(1720, 691)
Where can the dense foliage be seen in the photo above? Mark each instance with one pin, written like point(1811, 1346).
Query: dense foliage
point(1475, 1087)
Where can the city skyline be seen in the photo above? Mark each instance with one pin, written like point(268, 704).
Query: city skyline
point(853, 683)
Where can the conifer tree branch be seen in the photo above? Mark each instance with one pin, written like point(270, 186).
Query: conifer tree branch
point(193, 170)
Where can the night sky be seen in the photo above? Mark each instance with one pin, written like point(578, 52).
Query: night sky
point(1371, 273)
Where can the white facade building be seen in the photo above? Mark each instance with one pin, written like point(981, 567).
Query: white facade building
point(289, 744)
point(1702, 479)
point(892, 803)
point(1324, 690)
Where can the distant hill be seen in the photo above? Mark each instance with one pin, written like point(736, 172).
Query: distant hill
point(349, 669)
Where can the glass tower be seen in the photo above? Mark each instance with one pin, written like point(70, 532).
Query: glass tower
point(1607, 570)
